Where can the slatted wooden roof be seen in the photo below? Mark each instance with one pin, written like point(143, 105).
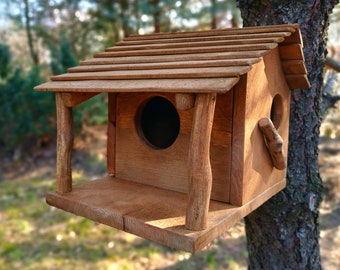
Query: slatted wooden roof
point(203, 61)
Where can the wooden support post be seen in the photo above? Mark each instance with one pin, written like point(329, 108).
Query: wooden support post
point(64, 145)
point(111, 134)
point(200, 175)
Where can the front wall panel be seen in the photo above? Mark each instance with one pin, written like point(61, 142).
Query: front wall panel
point(167, 168)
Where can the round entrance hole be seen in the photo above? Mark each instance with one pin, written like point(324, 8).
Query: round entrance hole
point(276, 111)
point(158, 123)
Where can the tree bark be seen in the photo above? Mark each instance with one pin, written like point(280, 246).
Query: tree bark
point(284, 232)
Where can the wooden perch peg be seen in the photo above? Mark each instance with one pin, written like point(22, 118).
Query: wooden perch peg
point(274, 142)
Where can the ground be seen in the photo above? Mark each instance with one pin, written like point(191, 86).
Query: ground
point(329, 161)
point(34, 235)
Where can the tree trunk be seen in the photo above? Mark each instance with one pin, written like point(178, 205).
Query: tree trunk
point(156, 16)
point(33, 53)
point(124, 5)
point(283, 233)
point(213, 14)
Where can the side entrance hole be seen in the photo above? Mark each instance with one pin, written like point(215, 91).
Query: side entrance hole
point(276, 111)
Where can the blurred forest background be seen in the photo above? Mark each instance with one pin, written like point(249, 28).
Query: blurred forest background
point(40, 38)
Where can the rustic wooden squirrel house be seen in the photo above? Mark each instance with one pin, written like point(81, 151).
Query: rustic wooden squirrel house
point(197, 130)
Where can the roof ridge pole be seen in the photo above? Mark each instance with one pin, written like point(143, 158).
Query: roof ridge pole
point(200, 174)
point(64, 145)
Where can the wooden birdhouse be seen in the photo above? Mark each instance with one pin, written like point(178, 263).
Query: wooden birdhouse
point(197, 130)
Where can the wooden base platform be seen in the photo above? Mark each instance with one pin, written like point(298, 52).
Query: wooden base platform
point(152, 213)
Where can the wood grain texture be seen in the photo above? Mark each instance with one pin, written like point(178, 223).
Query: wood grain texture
point(291, 52)
point(297, 81)
point(192, 43)
point(64, 145)
point(252, 169)
point(200, 175)
point(185, 101)
point(274, 143)
point(173, 58)
point(221, 36)
point(111, 134)
point(238, 142)
point(168, 168)
point(215, 32)
point(293, 67)
point(73, 99)
point(207, 85)
point(211, 49)
point(134, 208)
point(164, 65)
point(185, 73)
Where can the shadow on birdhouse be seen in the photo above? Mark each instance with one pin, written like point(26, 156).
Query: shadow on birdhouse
point(197, 130)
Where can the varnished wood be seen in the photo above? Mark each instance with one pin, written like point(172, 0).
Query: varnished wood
point(185, 73)
point(297, 81)
point(165, 65)
point(111, 134)
point(200, 175)
point(291, 52)
point(193, 43)
point(274, 143)
point(206, 38)
point(235, 55)
point(73, 99)
point(238, 141)
point(214, 32)
point(171, 171)
point(135, 208)
point(185, 101)
point(252, 169)
point(207, 85)
point(64, 146)
point(226, 48)
point(293, 67)
point(294, 38)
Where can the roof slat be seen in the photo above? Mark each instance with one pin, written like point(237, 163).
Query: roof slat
point(156, 74)
point(294, 38)
point(291, 52)
point(297, 81)
point(227, 48)
point(173, 58)
point(293, 67)
point(204, 85)
point(166, 65)
point(205, 44)
point(229, 31)
point(205, 38)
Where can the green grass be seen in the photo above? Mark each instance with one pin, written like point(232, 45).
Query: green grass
point(34, 235)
